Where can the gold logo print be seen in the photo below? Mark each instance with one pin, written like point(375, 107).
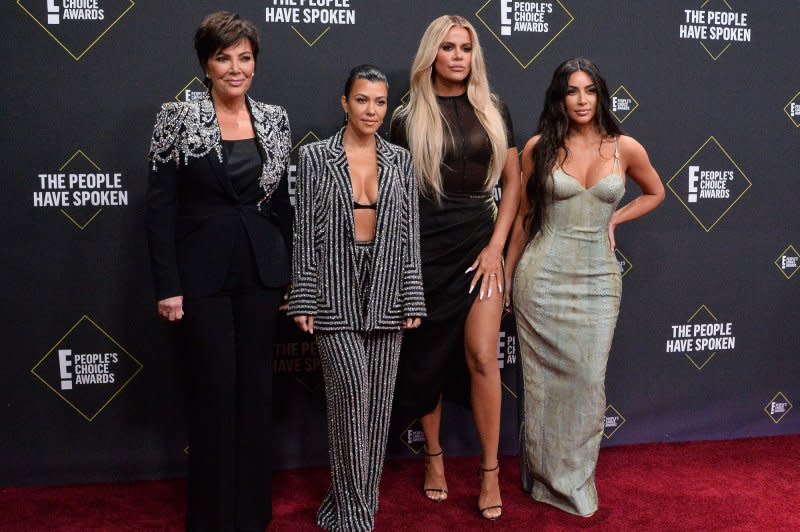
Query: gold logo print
point(191, 91)
point(792, 109)
point(625, 265)
point(719, 53)
point(50, 372)
point(49, 17)
point(623, 104)
point(72, 162)
point(519, 56)
point(707, 220)
point(309, 41)
point(700, 364)
point(612, 421)
point(788, 262)
point(778, 407)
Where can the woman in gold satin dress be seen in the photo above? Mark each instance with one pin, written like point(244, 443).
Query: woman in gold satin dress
point(566, 284)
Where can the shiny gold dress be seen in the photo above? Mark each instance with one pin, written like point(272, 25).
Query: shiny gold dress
point(567, 290)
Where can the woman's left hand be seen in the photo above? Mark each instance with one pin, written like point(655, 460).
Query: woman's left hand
point(411, 323)
point(488, 270)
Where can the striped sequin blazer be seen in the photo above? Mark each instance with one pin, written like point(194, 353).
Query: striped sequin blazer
point(324, 276)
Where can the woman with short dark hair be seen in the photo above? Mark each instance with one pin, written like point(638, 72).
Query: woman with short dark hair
point(218, 229)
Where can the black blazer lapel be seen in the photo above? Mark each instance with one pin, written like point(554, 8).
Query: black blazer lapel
point(340, 177)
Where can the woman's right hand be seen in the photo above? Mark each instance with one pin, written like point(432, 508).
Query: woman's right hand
point(171, 308)
point(306, 323)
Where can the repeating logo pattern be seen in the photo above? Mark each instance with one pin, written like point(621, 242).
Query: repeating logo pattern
point(87, 368)
point(193, 91)
point(623, 104)
point(788, 262)
point(80, 190)
point(778, 407)
point(716, 26)
point(709, 184)
point(525, 29)
point(310, 19)
point(701, 337)
point(413, 437)
point(76, 25)
point(612, 421)
point(792, 109)
point(625, 265)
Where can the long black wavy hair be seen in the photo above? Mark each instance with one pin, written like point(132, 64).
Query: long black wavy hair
point(554, 127)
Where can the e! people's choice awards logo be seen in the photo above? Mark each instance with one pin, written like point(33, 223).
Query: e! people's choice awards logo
point(778, 407)
point(709, 184)
point(87, 368)
point(612, 421)
point(525, 29)
point(792, 110)
point(716, 26)
point(701, 337)
point(623, 104)
point(79, 189)
point(76, 25)
point(310, 19)
point(788, 262)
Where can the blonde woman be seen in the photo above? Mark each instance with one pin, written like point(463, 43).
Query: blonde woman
point(461, 142)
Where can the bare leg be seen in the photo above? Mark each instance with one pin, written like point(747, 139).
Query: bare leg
point(481, 334)
point(435, 486)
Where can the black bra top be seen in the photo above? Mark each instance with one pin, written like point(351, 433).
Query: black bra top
point(357, 205)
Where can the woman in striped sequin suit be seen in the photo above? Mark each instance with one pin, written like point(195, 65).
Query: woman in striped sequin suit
point(357, 283)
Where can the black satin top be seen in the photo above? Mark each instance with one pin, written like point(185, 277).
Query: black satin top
point(243, 165)
point(467, 149)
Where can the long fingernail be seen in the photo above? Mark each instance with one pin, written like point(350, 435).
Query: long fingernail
point(468, 270)
point(481, 296)
point(489, 294)
point(471, 288)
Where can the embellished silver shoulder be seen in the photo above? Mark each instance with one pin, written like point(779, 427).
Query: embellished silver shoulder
point(273, 131)
point(185, 130)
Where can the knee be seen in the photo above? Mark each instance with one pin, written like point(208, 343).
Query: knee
point(483, 364)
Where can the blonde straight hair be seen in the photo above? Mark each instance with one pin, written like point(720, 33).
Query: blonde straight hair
point(424, 122)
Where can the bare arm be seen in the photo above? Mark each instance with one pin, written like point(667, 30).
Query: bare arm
point(636, 164)
point(518, 237)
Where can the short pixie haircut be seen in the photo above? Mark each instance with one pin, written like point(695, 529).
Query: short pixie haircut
point(219, 31)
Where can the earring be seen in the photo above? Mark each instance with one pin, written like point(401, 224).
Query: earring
point(253, 75)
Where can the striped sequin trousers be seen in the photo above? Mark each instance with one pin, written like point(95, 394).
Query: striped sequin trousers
point(359, 370)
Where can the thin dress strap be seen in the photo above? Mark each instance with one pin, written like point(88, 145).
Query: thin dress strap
point(616, 156)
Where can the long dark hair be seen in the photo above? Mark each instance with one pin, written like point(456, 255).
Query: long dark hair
point(553, 128)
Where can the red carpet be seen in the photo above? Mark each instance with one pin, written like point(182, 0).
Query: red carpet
point(740, 485)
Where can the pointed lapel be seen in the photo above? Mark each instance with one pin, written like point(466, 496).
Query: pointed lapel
point(340, 177)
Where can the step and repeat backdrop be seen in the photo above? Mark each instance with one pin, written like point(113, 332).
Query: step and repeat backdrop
point(709, 329)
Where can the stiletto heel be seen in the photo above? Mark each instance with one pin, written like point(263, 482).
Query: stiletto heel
point(434, 494)
point(482, 511)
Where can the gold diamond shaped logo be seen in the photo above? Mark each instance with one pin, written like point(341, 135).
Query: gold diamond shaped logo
point(625, 265)
point(623, 104)
point(612, 421)
point(413, 437)
point(709, 184)
point(193, 91)
point(76, 30)
point(81, 217)
point(700, 359)
point(716, 48)
point(87, 368)
point(311, 41)
point(792, 110)
point(788, 262)
point(778, 407)
point(525, 29)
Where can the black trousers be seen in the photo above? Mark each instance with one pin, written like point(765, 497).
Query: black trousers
point(228, 339)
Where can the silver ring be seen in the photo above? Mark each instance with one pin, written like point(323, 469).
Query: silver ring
point(492, 275)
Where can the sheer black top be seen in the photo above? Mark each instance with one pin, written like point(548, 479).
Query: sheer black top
point(467, 149)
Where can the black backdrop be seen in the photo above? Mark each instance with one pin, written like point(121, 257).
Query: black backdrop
point(706, 345)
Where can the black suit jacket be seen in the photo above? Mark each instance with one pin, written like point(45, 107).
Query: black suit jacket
point(193, 212)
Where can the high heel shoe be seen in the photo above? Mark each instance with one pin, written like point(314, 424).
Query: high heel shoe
point(434, 494)
point(482, 511)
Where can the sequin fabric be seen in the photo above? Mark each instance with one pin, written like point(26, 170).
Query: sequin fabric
point(190, 130)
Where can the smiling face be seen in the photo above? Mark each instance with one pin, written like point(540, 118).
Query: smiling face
point(580, 101)
point(366, 106)
point(231, 70)
point(454, 58)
